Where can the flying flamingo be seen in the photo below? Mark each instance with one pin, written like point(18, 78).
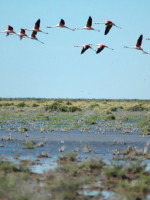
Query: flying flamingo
point(85, 47)
point(8, 31)
point(22, 34)
point(101, 47)
point(88, 25)
point(36, 27)
point(138, 44)
point(108, 24)
point(33, 37)
point(61, 25)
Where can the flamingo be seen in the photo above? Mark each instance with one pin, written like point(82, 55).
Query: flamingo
point(9, 30)
point(101, 47)
point(88, 25)
point(85, 47)
point(108, 24)
point(33, 37)
point(36, 27)
point(61, 25)
point(138, 44)
point(22, 34)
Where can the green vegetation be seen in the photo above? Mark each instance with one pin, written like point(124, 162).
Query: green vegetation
point(22, 129)
point(68, 157)
point(68, 114)
point(110, 117)
point(72, 177)
point(21, 105)
point(145, 131)
point(131, 181)
point(29, 144)
point(69, 180)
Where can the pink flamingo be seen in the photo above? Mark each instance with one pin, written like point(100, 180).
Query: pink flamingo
point(61, 25)
point(88, 25)
point(108, 24)
point(22, 34)
point(36, 27)
point(9, 30)
point(101, 47)
point(33, 37)
point(85, 47)
point(138, 44)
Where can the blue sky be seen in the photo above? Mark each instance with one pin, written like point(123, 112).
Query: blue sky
point(57, 69)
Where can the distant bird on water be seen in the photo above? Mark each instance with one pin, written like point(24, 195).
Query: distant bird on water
point(101, 47)
point(109, 25)
point(22, 34)
point(61, 25)
point(9, 30)
point(33, 37)
point(85, 47)
point(88, 25)
point(36, 27)
point(138, 44)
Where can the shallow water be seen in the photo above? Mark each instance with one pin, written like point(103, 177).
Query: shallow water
point(101, 141)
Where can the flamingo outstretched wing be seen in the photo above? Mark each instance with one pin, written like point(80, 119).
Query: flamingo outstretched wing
point(10, 28)
point(107, 29)
point(37, 24)
point(139, 41)
point(62, 22)
point(22, 31)
point(100, 49)
point(89, 22)
point(33, 34)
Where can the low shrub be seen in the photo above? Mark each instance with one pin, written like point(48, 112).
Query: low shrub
point(29, 144)
point(35, 105)
point(110, 117)
point(144, 131)
point(22, 129)
point(59, 107)
point(137, 108)
point(21, 105)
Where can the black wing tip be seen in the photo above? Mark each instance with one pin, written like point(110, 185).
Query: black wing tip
point(38, 22)
point(106, 32)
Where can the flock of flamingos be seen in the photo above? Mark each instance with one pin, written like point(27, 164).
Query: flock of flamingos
point(61, 24)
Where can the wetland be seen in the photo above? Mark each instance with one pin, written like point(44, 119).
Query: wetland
point(67, 149)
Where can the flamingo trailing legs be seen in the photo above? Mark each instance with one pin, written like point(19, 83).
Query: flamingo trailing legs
point(88, 26)
point(33, 37)
point(22, 34)
point(36, 27)
point(109, 25)
point(101, 47)
point(61, 25)
point(8, 31)
point(138, 44)
point(85, 47)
